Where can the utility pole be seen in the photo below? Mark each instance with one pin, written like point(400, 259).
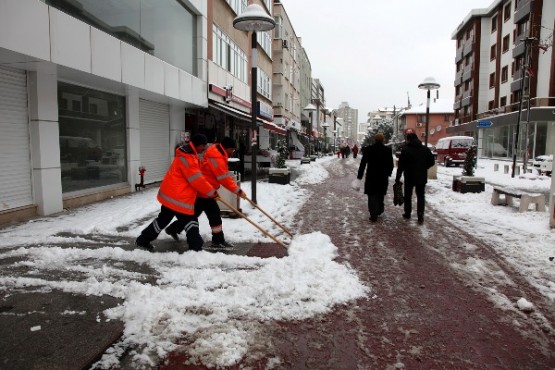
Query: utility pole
point(524, 67)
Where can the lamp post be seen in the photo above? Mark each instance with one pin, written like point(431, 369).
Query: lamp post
point(310, 108)
point(254, 19)
point(325, 126)
point(429, 83)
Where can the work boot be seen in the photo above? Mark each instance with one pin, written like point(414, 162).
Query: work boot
point(222, 246)
point(172, 233)
point(146, 246)
point(406, 216)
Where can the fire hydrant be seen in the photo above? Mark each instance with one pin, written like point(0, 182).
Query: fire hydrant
point(142, 171)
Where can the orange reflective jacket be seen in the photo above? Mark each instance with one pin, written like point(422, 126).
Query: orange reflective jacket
point(183, 182)
point(214, 167)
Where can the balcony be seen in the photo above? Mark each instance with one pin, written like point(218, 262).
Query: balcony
point(523, 11)
point(468, 46)
point(457, 104)
point(519, 49)
point(467, 74)
point(466, 101)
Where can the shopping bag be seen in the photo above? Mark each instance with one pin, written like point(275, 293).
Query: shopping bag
point(398, 194)
point(356, 184)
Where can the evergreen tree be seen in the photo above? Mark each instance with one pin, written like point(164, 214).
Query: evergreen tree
point(470, 161)
point(283, 153)
point(385, 126)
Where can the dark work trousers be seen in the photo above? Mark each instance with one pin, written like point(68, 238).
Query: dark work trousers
point(189, 222)
point(420, 199)
point(212, 210)
point(375, 204)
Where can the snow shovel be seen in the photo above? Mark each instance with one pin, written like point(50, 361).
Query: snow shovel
point(270, 217)
point(251, 221)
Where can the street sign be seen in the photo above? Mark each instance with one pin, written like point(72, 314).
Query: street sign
point(484, 124)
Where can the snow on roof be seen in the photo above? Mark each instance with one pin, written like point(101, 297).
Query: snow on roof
point(436, 106)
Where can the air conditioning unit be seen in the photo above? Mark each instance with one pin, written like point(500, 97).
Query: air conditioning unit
point(419, 124)
point(456, 121)
point(285, 44)
point(422, 134)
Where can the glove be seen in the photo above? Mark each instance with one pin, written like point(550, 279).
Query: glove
point(242, 194)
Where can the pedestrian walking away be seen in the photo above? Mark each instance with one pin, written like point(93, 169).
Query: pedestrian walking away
point(214, 167)
point(178, 192)
point(355, 151)
point(377, 160)
point(414, 161)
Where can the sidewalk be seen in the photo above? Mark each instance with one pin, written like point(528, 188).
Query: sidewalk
point(439, 297)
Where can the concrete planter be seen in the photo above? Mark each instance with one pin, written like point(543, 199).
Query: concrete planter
point(279, 175)
point(468, 184)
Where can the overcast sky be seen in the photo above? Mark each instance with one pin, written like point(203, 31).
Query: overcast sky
point(371, 53)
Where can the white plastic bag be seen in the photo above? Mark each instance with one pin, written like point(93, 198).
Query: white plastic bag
point(356, 184)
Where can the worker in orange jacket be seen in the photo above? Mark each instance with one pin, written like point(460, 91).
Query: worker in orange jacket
point(178, 192)
point(214, 167)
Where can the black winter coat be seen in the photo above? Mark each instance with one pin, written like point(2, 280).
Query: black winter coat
point(414, 161)
point(377, 159)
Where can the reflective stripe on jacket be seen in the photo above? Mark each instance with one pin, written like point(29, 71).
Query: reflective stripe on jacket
point(214, 167)
point(183, 182)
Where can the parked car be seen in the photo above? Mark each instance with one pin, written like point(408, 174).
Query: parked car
point(452, 150)
point(543, 164)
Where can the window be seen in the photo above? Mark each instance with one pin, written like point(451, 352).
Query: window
point(506, 43)
point(504, 74)
point(507, 12)
point(492, 52)
point(493, 23)
point(264, 84)
point(491, 105)
point(238, 6)
point(92, 140)
point(492, 80)
point(228, 55)
point(163, 28)
point(503, 101)
point(466, 85)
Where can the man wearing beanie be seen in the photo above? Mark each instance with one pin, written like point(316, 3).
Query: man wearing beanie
point(178, 192)
point(214, 167)
point(377, 159)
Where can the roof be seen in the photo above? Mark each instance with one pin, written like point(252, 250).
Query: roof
point(436, 106)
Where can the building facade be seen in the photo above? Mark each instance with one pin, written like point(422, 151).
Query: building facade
point(505, 79)
point(90, 93)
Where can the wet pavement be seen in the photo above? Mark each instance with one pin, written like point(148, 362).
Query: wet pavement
point(426, 310)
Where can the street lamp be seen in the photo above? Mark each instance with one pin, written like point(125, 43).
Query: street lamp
point(254, 19)
point(310, 108)
point(429, 83)
point(325, 125)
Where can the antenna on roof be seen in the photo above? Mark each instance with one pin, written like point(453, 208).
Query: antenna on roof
point(408, 101)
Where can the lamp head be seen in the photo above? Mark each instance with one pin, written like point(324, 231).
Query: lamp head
point(310, 107)
point(254, 18)
point(429, 83)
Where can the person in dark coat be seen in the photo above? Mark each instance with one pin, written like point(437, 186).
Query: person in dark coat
point(355, 151)
point(377, 159)
point(414, 161)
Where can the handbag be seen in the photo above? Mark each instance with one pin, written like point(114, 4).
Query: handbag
point(398, 199)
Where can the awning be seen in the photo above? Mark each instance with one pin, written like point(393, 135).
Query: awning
point(272, 127)
point(237, 113)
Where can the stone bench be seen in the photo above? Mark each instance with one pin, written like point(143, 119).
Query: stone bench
point(305, 160)
point(525, 198)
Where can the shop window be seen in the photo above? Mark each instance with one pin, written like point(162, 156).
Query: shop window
point(92, 144)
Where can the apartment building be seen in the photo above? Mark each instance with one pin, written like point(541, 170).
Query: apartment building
point(349, 119)
point(90, 91)
point(291, 68)
point(505, 79)
point(441, 116)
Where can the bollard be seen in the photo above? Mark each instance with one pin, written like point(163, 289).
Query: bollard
point(506, 168)
point(496, 167)
point(517, 170)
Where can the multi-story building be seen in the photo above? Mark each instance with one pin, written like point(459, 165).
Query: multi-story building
point(229, 81)
point(349, 119)
point(441, 117)
point(289, 63)
point(505, 64)
point(90, 91)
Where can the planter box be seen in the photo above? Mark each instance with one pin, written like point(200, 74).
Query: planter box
point(279, 176)
point(468, 184)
